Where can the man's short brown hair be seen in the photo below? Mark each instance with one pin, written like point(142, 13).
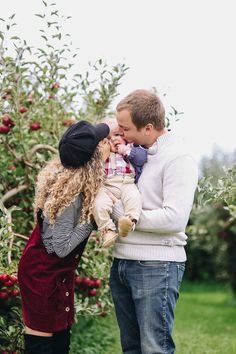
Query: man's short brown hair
point(144, 107)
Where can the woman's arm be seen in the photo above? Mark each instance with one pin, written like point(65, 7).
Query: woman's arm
point(63, 235)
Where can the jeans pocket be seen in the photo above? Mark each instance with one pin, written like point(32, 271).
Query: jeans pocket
point(149, 275)
point(153, 264)
point(180, 272)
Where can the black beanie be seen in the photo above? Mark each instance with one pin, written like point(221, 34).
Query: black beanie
point(79, 142)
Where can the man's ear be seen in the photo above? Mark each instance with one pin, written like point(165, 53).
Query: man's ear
point(148, 129)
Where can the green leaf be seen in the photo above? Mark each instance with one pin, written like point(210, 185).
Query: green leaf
point(39, 15)
point(12, 16)
point(45, 38)
point(54, 13)
point(45, 4)
point(51, 23)
point(15, 37)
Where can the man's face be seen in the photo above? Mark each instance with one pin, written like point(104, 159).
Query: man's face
point(129, 130)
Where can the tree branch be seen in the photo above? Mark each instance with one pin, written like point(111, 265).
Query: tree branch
point(11, 150)
point(13, 192)
point(21, 236)
point(41, 147)
point(9, 228)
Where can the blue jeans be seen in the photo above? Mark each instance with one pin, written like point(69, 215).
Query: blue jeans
point(145, 294)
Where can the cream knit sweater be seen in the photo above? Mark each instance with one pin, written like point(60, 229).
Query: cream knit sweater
point(167, 185)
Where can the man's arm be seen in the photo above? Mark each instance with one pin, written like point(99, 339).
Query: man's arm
point(137, 155)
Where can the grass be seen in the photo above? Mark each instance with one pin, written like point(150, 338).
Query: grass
point(96, 335)
point(205, 320)
point(205, 323)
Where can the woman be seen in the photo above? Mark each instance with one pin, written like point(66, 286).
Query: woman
point(65, 193)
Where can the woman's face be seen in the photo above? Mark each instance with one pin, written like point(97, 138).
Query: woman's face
point(104, 147)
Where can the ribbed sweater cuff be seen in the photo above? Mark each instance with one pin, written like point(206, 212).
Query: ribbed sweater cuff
point(149, 253)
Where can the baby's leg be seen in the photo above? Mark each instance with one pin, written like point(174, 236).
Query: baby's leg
point(101, 212)
point(102, 209)
point(131, 200)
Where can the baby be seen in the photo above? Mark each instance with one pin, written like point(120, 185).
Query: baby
point(122, 169)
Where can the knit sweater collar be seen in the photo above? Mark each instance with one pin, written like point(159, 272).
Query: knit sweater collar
point(161, 140)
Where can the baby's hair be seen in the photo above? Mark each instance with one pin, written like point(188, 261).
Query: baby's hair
point(111, 121)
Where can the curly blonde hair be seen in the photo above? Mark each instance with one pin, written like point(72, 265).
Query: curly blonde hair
point(57, 187)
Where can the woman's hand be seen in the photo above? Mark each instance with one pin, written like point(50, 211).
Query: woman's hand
point(104, 148)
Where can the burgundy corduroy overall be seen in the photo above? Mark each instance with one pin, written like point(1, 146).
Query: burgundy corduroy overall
point(47, 285)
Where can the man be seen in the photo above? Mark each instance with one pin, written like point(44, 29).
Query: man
point(149, 263)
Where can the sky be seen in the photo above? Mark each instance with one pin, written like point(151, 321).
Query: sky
point(184, 48)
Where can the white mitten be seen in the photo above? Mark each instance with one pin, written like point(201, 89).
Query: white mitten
point(124, 149)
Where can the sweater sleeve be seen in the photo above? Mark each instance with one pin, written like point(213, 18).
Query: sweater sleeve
point(137, 155)
point(64, 236)
point(179, 185)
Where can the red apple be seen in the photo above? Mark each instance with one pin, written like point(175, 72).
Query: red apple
point(78, 280)
point(13, 278)
point(11, 168)
point(86, 281)
point(4, 278)
point(92, 292)
point(23, 109)
point(35, 126)
point(97, 283)
point(8, 283)
point(15, 292)
point(3, 295)
point(4, 129)
point(6, 120)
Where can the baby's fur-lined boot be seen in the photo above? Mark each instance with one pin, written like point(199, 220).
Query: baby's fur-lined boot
point(125, 225)
point(108, 238)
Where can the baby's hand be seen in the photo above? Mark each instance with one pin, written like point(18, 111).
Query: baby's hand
point(123, 149)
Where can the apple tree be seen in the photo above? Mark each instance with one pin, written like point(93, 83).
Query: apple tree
point(41, 94)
